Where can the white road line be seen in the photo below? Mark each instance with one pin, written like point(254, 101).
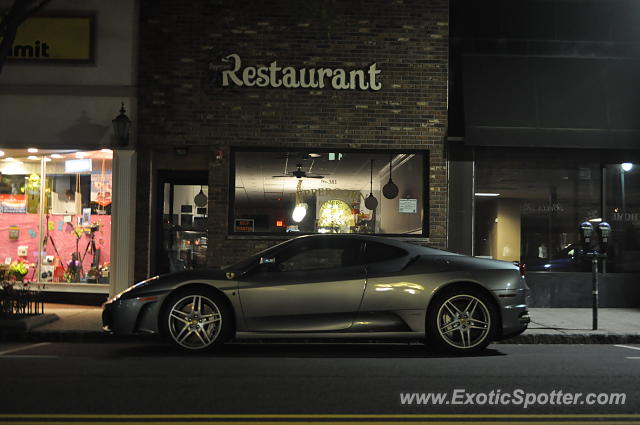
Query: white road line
point(627, 346)
point(2, 353)
point(633, 358)
point(28, 356)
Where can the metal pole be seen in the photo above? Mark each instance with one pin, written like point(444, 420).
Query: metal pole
point(41, 212)
point(594, 289)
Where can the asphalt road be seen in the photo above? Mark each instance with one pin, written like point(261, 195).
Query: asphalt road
point(152, 378)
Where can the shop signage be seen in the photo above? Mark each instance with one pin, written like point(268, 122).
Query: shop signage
point(54, 38)
point(276, 75)
point(528, 208)
point(408, 206)
point(346, 195)
point(627, 216)
point(244, 225)
point(13, 203)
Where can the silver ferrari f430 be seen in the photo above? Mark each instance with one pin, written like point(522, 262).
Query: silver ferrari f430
point(331, 287)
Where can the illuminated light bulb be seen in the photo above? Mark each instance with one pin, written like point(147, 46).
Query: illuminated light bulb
point(32, 157)
point(56, 156)
point(626, 166)
point(32, 150)
point(299, 212)
point(1, 153)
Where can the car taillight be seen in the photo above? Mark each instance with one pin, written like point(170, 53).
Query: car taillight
point(522, 267)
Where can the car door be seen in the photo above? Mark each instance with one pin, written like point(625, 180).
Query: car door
point(313, 284)
point(387, 288)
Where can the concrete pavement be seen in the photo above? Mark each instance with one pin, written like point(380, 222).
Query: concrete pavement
point(548, 326)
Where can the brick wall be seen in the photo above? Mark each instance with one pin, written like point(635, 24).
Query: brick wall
point(180, 104)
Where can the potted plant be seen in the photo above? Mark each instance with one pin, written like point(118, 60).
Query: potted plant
point(18, 270)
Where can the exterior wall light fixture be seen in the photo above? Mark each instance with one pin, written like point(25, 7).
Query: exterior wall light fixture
point(121, 127)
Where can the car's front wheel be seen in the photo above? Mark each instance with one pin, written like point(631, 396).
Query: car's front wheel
point(461, 320)
point(196, 320)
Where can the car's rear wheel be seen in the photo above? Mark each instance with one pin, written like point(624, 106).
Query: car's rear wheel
point(196, 320)
point(461, 320)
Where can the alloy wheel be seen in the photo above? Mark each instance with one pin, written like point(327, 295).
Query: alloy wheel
point(463, 321)
point(195, 322)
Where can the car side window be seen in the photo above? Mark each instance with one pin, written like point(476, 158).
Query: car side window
point(320, 255)
point(376, 252)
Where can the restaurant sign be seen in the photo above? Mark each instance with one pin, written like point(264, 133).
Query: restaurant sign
point(276, 75)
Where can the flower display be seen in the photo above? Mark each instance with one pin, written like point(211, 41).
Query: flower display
point(18, 269)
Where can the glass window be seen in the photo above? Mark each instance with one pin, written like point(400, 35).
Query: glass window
point(328, 192)
point(319, 255)
point(376, 252)
point(60, 201)
point(528, 208)
point(623, 214)
point(182, 233)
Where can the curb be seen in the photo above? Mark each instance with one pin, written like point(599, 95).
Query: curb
point(99, 336)
point(573, 339)
point(27, 323)
point(73, 336)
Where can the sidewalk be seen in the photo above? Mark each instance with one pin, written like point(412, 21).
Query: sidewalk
point(548, 326)
point(574, 326)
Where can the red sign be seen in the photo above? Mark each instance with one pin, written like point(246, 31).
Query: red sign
point(244, 225)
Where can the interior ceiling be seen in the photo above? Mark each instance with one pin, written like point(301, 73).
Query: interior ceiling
point(255, 171)
point(22, 154)
point(540, 184)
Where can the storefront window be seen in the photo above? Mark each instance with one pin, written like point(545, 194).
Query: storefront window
point(329, 192)
point(623, 213)
point(55, 215)
point(528, 208)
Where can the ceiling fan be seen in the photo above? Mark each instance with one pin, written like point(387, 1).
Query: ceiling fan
point(300, 173)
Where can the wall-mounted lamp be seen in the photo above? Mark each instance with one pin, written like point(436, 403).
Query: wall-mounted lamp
point(121, 127)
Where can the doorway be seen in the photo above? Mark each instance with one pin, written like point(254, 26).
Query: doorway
point(181, 217)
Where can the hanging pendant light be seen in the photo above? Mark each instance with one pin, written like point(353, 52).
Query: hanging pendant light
point(200, 199)
point(371, 202)
point(300, 209)
point(390, 190)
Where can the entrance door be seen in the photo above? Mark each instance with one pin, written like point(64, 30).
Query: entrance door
point(311, 285)
point(181, 232)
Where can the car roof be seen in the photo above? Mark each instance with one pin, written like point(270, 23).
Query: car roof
point(413, 248)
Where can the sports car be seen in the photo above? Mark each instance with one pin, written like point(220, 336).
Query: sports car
point(331, 287)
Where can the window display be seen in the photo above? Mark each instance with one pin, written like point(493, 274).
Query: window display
point(329, 192)
point(55, 215)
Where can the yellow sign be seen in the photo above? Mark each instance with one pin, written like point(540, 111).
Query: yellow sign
point(54, 39)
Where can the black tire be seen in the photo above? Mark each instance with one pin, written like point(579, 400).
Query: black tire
point(196, 320)
point(461, 320)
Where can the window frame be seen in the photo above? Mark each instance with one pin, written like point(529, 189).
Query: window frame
point(232, 184)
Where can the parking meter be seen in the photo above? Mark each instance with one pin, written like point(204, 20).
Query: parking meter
point(604, 233)
point(586, 233)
